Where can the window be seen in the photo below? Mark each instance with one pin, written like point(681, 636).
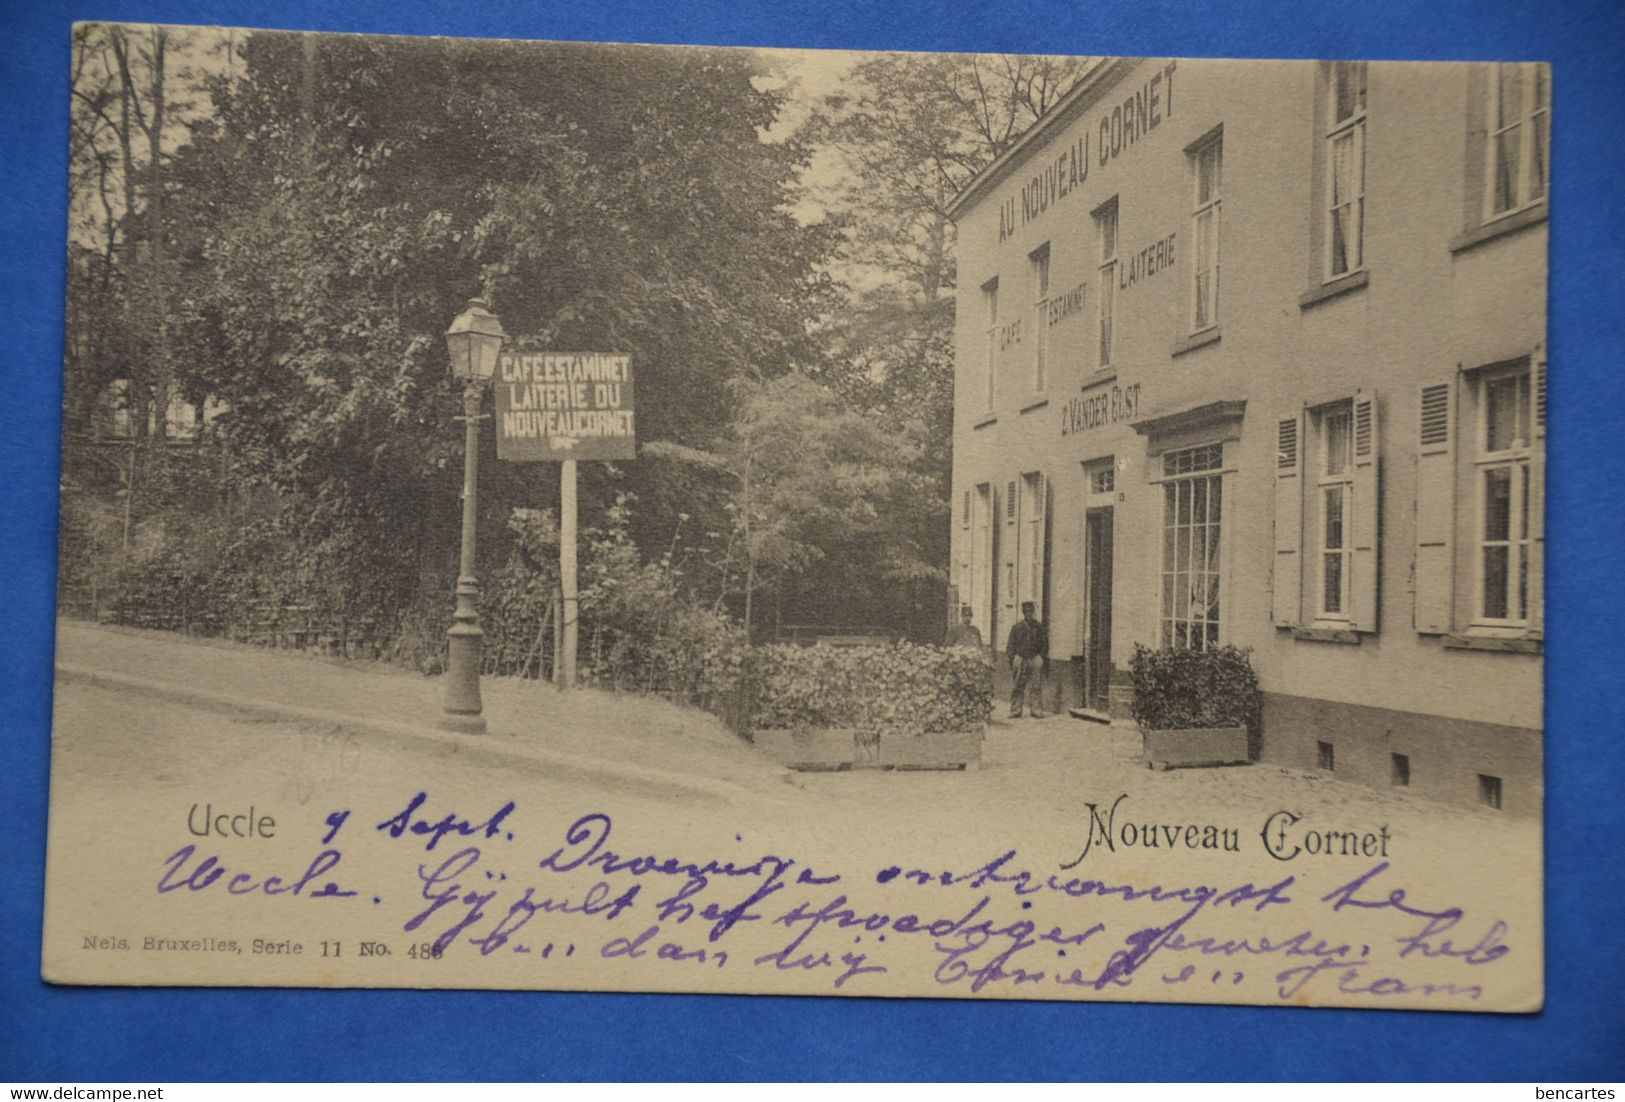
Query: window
point(1206, 166)
point(1489, 791)
point(1480, 537)
point(1192, 496)
point(1401, 775)
point(1503, 469)
point(966, 558)
point(1039, 262)
point(1327, 518)
point(115, 410)
point(1519, 137)
point(1032, 540)
point(1334, 494)
point(1345, 168)
point(1325, 756)
point(180, 419)
point(1106, 229)
point(990, 311)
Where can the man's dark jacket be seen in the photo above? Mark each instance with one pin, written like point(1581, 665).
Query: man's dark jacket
point(1028, 640)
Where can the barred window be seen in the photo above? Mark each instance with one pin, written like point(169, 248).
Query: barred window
point(1192, 513)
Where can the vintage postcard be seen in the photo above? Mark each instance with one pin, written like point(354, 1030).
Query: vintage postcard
point(608, 517)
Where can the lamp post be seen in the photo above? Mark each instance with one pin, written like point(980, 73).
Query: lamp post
point(474, 341)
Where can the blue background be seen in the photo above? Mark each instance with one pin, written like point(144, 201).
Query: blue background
point(67, 1034)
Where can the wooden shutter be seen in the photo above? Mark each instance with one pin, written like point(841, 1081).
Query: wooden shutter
point(1364, 594)
point(1036, 555)
point(1537, 507)
point(1012, 548)
point(1435, 508)
point(1286, 591)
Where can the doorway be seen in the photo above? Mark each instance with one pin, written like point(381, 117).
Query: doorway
point(1097, 619)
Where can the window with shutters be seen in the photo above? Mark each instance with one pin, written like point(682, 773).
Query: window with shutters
point(1505, 439)
point(979, 589)
point(1192, 519)
point(1010, 549)
point(1480, 503)
point(1334, 498)
point(967, 552)
point(1033, 511)
point(1327, 519)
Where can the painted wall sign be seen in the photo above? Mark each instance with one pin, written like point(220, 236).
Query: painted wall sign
point(1118, 129)
point(1066, 305)
point(1108, 407)
point(1155, 257)
point(564, 405)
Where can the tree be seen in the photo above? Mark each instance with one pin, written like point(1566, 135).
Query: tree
point(908, 135)
point(807, 477)
point(347, 195)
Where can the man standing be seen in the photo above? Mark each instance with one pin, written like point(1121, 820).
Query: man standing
point(1029, 652)
point(964, 633)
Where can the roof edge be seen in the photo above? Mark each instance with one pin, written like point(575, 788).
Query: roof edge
point(1082, 95)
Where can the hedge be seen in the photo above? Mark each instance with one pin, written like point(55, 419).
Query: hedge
point(1176, 689)
point(903, 688)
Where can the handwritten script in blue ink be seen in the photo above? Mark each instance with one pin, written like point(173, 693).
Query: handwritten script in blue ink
point(487, 884)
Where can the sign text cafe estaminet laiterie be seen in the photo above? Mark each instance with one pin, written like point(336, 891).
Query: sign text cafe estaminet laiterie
point(564, 405)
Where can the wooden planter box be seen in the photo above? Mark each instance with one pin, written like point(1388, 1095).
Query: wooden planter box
point(1194, 746)
point(838, 748)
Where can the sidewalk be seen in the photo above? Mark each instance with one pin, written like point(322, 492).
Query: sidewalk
point(630, 739)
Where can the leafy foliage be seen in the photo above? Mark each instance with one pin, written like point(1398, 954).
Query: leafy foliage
point(904, 688)
point(642, 628)
point(1178, 688)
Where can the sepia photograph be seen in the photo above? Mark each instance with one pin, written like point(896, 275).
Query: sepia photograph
point(604, 517)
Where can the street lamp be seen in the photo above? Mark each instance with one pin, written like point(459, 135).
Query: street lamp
point(474, 341)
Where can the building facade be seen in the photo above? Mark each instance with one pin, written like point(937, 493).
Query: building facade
point(1253, 353)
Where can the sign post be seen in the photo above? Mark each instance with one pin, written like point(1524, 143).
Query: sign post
point(569, 606)
point(565, 406)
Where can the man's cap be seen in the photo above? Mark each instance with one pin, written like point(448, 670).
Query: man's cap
point(1025, 605)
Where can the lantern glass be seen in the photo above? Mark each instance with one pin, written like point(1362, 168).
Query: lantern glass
point(474, 342)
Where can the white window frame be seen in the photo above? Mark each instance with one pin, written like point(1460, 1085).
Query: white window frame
point(1209, 208)
point(1516, 458)
point(1030, 568)
point(1039, 264)
point(1108, 229)
point(1327, 480)
point(1352, 129)
point(1169, 606)
point(990, 310)
point(981, 558)
point(1533, 118)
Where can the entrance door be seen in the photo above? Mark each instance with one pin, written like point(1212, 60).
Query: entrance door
point(1097, 588)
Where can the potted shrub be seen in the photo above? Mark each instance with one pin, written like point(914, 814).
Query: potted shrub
point(901, 706)
point(1195, 707)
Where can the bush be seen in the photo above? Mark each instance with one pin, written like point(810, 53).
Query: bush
point(642, 629)
point(906, 688)
point(1177, 688)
